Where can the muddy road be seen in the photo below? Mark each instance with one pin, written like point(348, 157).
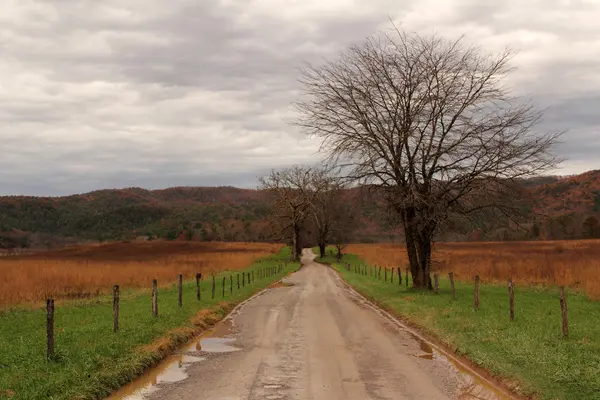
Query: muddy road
point(313, 338)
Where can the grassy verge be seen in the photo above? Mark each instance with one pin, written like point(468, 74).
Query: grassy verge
point(529, 351)
point(91, 361)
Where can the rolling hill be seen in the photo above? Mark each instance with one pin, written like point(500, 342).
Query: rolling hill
point(569, 204)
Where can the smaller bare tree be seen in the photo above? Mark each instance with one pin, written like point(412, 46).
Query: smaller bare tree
point(291, 195)
point(327, 188)
point(344, 228)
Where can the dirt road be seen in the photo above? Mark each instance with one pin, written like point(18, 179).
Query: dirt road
point(314, 339)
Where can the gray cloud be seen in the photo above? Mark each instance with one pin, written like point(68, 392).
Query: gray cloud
point(150, 93)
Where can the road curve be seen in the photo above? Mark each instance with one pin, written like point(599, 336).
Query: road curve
point(315, 339)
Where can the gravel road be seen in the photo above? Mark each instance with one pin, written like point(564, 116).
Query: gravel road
point(314, 339)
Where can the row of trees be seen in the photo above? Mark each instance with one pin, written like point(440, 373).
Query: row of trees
point(427, 121)
point(307, 207)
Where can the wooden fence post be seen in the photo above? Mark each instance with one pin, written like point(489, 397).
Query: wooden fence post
point(379, 274)
point(399, 276)
point(436, 282)
point(476, 302)
point(563, 308)
point(223, 290)
point(50, 328)
point(238, 281)
point(154, 298)
point(213, 286)
point(451, 276)
point(230, 284)
point(115, 308)
point(511, 299)
point(385, 276)
point(180, 291)
point(243, 279)
point(198, 277)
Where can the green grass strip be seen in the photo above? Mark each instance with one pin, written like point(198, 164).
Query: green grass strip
point(91, 361)
point(529, 351)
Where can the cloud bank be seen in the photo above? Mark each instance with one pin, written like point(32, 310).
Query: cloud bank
point(151, 93)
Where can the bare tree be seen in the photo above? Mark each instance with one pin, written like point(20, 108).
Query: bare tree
point(291, 195)
point(325, 204)
point(430, 122)
point(344, 228)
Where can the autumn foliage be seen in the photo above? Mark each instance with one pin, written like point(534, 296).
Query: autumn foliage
point(570, 263)
point(86, 271)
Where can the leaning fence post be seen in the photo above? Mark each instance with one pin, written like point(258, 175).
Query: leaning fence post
point(451, 276)
point(115, 308)
point(180, 291)
point(436, 282)
point(399, 276)
point(50, 328)
point(476, 302)
point(154, 298)
point(511, 299)
point(563, 308)
point(213, 286)
point(198, 277)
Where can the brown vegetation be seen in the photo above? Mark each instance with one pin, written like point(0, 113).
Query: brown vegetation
point(571, 263)
point(85, 271)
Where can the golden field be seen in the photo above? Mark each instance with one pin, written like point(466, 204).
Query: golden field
point(570, 263)
point(79, 272)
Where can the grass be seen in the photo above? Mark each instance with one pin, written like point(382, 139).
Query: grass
point(529, 352)
point(574, 263)
point(90, 271)
point(91, 361)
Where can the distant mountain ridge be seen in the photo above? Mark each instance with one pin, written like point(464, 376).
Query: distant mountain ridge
point(233, 214)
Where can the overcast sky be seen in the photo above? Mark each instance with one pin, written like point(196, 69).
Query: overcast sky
point(155, 93)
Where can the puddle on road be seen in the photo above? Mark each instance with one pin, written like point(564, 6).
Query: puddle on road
point(215, 345)
point(472, 387)
point(173, 368)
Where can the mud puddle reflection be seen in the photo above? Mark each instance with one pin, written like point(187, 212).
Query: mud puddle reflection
point(472, 387)
point(173, 368)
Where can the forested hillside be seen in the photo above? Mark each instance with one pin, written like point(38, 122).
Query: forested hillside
point(566, 208)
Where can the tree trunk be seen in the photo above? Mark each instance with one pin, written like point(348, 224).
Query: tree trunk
point(418, 247)
point(322, 247)
point(339, 253)
point(296, 245)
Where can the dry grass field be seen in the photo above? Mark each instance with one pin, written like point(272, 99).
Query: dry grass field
point(86, 271)
point(570, 263)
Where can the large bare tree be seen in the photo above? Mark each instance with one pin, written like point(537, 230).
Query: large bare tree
point(291, 193)
point(431, 122)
